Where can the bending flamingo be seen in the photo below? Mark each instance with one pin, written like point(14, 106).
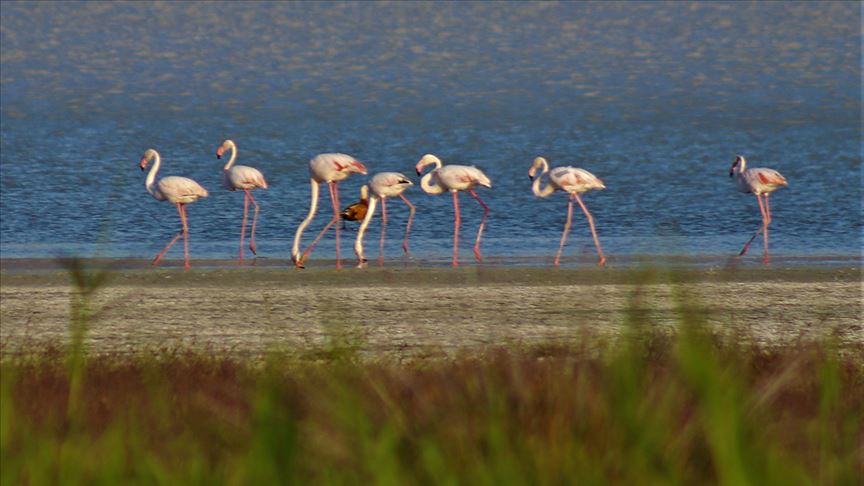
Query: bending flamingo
point(382, 186)
point(180, 191)
point(761, 182)
point(573, 181)
point(329, 168)
point(455, 178)
point(246, 179)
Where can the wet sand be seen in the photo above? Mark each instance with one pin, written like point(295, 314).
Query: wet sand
point(419, 311)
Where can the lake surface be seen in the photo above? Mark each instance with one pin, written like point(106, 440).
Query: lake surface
point(656, 99)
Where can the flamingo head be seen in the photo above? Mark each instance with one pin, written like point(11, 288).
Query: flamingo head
point(538, 163)
point(427, 159)
point(739, 162)
point(148, 155)
point(227, 144)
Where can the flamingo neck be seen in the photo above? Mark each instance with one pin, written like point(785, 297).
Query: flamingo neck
point(535, 187)
point(313, 207)
point(151, 176)
point(233, 149)
point(358, 245)
point(428, 187)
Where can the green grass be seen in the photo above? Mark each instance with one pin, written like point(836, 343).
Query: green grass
point(647, 408)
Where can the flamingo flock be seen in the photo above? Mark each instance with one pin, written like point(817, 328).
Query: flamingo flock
point(332, 168)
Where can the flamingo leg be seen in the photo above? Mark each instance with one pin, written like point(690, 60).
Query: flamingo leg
point(760, 230)
point(383, 231)
point(324, 230)
point(766, 258)
point(566, 230)
point(174, 240)
point(254, 223)
point(456, 221)
point(482, 225)
point(593, 230)
point(411, 210)
point(243, 224)
point(185, 236)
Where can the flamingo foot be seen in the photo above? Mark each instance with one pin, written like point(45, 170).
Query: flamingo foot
point(186, 266)
point(744, 250)
point(380, 261)
point(405, 248)
point(253, 249)
point(766, 260)
point(477, 254)
point(602, 262)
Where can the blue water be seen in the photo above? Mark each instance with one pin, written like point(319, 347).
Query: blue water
point(656, 99)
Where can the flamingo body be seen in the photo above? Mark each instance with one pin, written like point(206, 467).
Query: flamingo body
point(329, 168)
point(382, 186)
point(177, 190)
point(574, 181)
point(453, 179)
point(761, 182)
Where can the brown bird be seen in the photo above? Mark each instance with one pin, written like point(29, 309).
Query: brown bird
point(357, 211)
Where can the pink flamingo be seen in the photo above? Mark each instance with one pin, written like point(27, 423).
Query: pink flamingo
point(329, 168)
point(246, 179)
point(178, 190)
point(455, 178)
point(573, 181)
point(759, 181)
point(382, 186)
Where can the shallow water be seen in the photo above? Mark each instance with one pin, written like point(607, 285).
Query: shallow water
point(656, 99)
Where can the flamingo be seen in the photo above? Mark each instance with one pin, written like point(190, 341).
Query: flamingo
point(455, 178)
point(329, 168)
point(180, 191)
point(573, 181)
point(245, 178)
point(382, 186)
point(759, 181)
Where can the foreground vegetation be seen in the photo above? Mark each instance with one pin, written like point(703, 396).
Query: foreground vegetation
point(649, 407)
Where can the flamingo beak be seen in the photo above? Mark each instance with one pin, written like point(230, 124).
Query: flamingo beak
point(143, 164)
point(219, 152)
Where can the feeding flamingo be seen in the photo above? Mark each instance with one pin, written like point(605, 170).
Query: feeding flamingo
point(382, 186)
point(455, 178)
point(573, 181)
point(759, 181)
point(180, 191)
point(246, 179)
point(329, 168)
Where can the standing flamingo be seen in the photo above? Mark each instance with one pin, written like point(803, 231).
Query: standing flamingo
point(759, 181)
point(455, 178)
point(329, 168)
point(246, 179)
point(573, 181)
point(382, 186)
point(178, 190)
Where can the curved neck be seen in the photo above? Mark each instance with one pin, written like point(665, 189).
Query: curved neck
point(295, 249)
point(233, 149)
point(358, 245)
point(535, 187)
point(429, 188)
point(151, 176)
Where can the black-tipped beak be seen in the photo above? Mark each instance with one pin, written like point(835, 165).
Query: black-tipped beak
point(530, 177)
point(731, 173)
point(218, 155)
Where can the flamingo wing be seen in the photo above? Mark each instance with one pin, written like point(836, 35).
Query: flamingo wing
point(181, 189)
point(245, 177)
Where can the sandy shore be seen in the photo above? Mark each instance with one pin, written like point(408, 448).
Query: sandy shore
point(419, 311)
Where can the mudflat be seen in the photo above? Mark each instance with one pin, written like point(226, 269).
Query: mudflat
point(418, 311)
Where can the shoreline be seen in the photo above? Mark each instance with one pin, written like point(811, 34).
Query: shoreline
point(417, 312)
